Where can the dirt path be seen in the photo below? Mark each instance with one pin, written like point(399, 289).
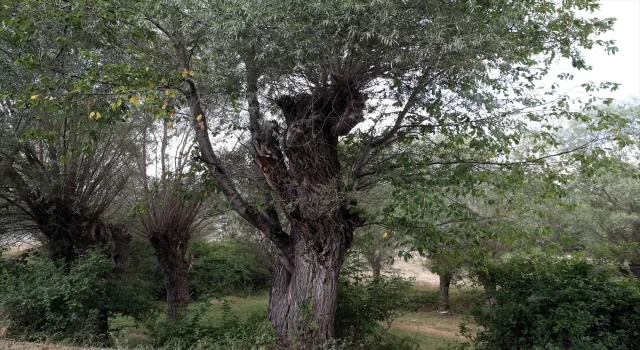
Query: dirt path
point(415, 268)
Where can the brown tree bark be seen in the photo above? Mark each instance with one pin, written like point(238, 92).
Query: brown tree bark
point(445, 283)
point(311, 193)
point(308, 187)
point(279, 300)
point(376, 268)
point(170, 249)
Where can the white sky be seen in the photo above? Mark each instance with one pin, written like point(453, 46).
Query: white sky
point(624, 66)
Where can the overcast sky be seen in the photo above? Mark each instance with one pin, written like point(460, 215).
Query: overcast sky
point(624, 66)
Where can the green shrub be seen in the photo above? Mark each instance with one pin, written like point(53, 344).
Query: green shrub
point(71, 304)
point(364, 303)
point(424, 299)
point(143, 270)
point(227, 268)
point(547, 303)
point(463, 300)
point(380, 340)
point(191, 332)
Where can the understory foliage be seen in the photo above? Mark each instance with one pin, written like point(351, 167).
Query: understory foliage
point(227, 268)
point(217, 269)
point(559, 303)
point(143, 270)
point(56, 302)
point(365, 303)
point(192, 332)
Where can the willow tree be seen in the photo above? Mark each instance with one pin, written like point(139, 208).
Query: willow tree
point(386, 71)
point(169, 213)
point(325, 89)
point(63, 159)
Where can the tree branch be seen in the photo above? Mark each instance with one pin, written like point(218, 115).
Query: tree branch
point(251, 214)
point(480, 162)
point(411, 101)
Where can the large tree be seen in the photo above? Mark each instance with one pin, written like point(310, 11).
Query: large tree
point(347, 86)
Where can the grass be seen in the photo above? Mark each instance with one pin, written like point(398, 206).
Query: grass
point(430, 329)
point(240, 307)
point(11, 345)
point(427, 341)
point(130, 334)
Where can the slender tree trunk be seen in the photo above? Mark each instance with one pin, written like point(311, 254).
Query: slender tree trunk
point(170, 253)
point(376, 266)
point(445, 283)
point(489, 288)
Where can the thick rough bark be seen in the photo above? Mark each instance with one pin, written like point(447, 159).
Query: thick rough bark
point(279, 300)
point(445, 284)
point(170, 249)
point(314, 201)
point(309, 189)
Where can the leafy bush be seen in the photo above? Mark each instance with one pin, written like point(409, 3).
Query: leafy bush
point(72, 304)
point(547, 303)
point(365, 302)
point(424, 299)
point(463, 300)
point(191, 332)
point(226, 268)
point(143, 270)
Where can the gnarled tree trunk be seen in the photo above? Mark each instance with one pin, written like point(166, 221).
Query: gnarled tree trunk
point(311, 193)
point(308, 186)
point(170, 249)
point(279, 301)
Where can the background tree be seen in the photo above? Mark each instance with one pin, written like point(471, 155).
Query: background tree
point(169, 212)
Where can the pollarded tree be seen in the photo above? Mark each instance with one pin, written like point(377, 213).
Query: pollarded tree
point(169, 212)
point(63, 160)
point(62, 187)
point(389, 71)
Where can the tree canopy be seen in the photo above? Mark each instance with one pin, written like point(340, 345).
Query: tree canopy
point(327, 99)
